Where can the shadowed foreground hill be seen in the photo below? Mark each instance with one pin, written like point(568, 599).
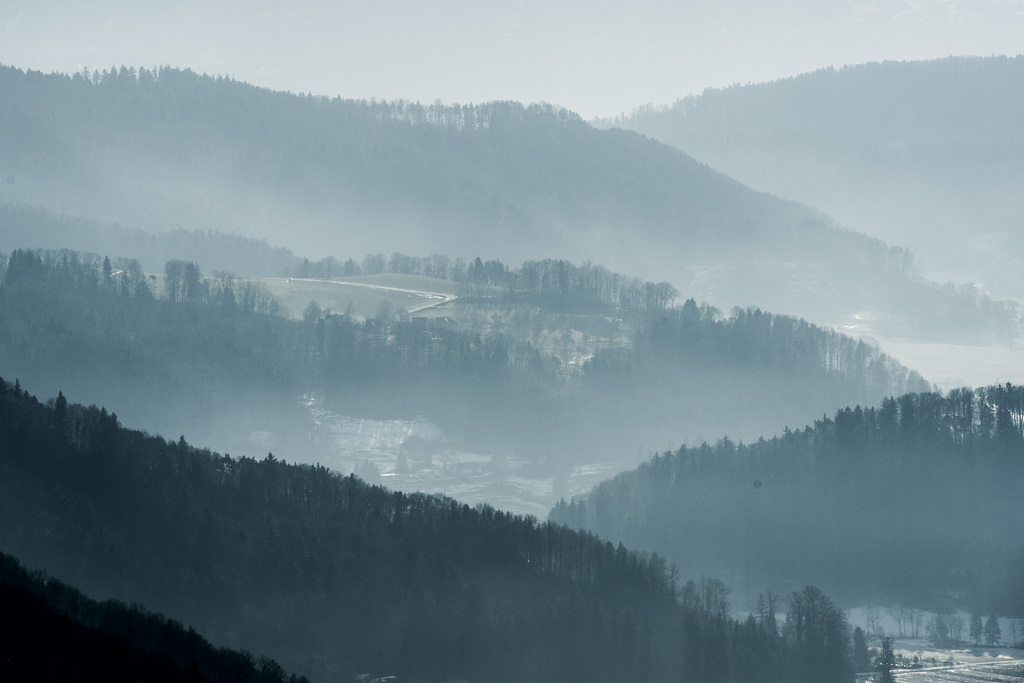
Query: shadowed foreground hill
point(330, 575)
point(50, 631)
point(918, 500)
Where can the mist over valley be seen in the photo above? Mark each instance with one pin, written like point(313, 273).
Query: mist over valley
point(305, 387)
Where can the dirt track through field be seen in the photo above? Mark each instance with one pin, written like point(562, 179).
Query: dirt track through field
point(436, 298)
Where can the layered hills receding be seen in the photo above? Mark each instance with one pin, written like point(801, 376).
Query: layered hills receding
point(929, 155)
point(433, 296)
point(337, 579)
point(595, 380)
point(171, 150)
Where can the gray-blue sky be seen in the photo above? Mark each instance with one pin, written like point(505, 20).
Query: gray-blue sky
point(596, 57)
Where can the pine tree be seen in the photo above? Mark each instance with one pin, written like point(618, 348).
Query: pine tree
point(108, 273)
point(886, 661)
point(992, 631)
point(976, 629)
point(861, 656)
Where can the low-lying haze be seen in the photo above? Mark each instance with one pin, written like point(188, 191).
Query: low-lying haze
point(727, 339)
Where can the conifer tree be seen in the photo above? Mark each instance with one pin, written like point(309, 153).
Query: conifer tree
point(976, 629)
point(886, 661)
point(992, 631)
point(861, 656)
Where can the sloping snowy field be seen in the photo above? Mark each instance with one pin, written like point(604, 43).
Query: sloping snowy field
point(1002, 672)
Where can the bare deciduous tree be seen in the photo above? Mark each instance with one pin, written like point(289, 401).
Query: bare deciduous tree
point(899, 614)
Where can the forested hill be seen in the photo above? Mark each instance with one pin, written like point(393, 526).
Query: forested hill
point(171, 149)
point(92, 326)
point(209, 358)
point(51, 631)
point(917, 501)
point(927, 154)
point(692, 371)
point(334, 577)
point(24, 227)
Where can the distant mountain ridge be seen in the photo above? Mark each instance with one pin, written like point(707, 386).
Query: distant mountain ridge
point(925, 154)
point(170, 149)
point(24, 227)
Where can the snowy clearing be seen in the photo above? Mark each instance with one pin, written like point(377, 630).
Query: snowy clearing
point(415, 455)
point(1000, 672)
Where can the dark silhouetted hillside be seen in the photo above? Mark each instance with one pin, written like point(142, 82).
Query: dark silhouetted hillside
point(327, 573)
point(50, 631)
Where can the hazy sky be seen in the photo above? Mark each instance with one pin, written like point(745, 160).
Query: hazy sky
point(596, 57)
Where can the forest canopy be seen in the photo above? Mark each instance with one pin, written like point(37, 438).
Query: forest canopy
point(334, 577)
point(912, 501)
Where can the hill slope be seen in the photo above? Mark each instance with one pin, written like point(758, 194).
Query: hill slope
point(924, 154)
point(915, 501)
point(326, 572)
point(23, 227)
point(51, 631)
point(209, 359)
point(170, 149)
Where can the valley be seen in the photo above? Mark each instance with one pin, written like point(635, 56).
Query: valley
point(308, 388)
point(414, 455)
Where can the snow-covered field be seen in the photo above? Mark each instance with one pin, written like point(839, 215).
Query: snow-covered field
point(998, 672)
point(940, 665)
point(414, 455)
point(958, 665)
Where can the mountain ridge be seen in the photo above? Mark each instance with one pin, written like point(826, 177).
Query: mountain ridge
point(171, 149)
point(926, 154)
